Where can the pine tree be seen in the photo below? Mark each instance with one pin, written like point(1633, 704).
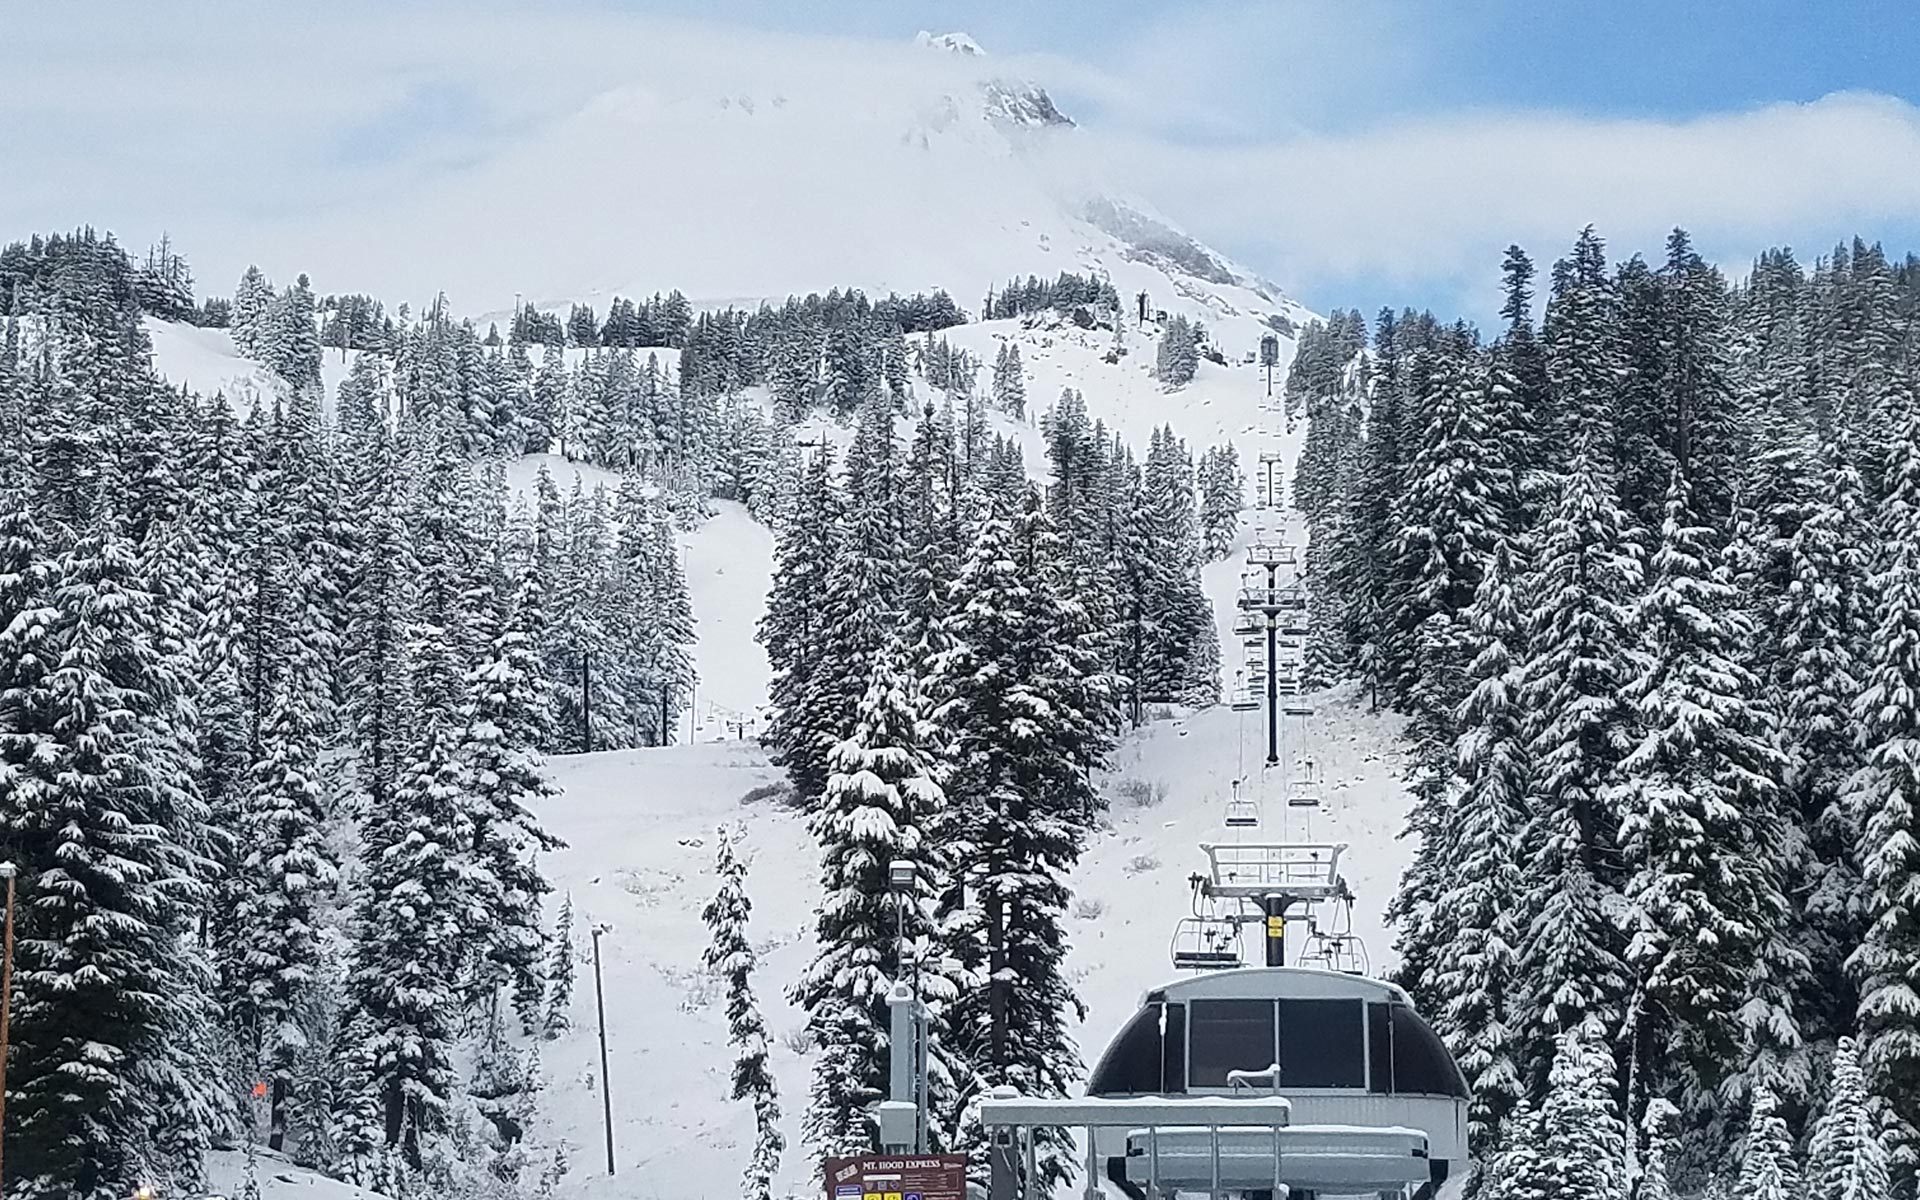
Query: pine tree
point(103, 814)
point(1028, 726)
point(1887, 796)
point(1845, 1156)
point(1700, 823)
point(879, 803)
point(250, 303)
point(730, 954)
point(1823, 618)
point(1583, 1140)
point(1656, 1181)
point(560, 974)
point(506, 718)
point(287, 871)
point(1582, 651)
point(1518, 1170)
point(1477, 981)
point(1222, 497)
point(1009, 382)
point(1767, 1169)
point(793, 630)
point(1178, 356)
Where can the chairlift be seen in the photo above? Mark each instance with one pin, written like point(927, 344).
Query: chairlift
point(1245, 702)
point(1296, 710)
point(1304, 792)
point(1206, 944)
point(1205, 941)
point(1242, 813)
point(1340, 948)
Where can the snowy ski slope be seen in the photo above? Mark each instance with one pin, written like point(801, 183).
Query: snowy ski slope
point(639, 824)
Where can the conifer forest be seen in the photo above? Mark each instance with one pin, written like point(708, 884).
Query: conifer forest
point(765, 696)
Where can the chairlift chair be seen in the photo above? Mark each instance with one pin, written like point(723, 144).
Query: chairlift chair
point(1304, 792)
point(1206, 944)
point(1339, 948)
point(1205, 941)
point(1242, 813)
point(1245, 702)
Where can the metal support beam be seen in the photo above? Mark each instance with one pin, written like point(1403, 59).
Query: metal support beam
point(1275, 908)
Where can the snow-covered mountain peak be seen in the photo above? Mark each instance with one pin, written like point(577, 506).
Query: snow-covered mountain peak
point(745, 173)
point(956, 42)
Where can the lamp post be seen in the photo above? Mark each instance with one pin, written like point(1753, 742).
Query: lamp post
point(905, 1126)
point(600, 1008)
point(7, 871)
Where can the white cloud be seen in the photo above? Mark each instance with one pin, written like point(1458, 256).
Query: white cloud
point(1434, 201)
point(277, 136)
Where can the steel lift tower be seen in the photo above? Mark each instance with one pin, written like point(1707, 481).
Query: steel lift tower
point(1271, 603)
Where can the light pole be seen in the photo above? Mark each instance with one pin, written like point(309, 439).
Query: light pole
point(600, 1008)
point(7, 871)
point(903, 1120)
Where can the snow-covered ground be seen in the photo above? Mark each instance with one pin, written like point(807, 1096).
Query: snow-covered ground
point(278, 1179)
point(640, 832)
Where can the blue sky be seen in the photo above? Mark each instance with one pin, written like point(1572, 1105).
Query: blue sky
point(1360, 152)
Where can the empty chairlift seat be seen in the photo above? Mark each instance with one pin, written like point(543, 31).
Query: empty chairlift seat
point(1304, 791)
point(1242, 814)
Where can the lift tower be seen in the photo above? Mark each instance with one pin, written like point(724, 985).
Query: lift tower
point(1272, 602)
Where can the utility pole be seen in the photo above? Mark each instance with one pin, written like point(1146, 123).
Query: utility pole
point(903, 1115)
point(600, 1009)
point(9, 871)
point(586, 702)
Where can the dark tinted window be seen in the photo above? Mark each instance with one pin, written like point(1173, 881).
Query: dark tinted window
point(1420, 1059)
point(1132, 1063)
point(1321, 1044)
point(1379, 1049)
point(1228, 1035)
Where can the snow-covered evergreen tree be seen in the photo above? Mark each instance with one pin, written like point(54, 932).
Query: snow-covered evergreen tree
point(102, 810)
point(1656, 1180)
point(1222, 497)
point(1476, 984)
point(729, 953)
point(793, 630)
point(1845, 1154)
point(1028, 724)
point(506, 717)
point(1700, 823)
point(1767, 1168)
point(1886, 794)
point(1581, 654)
point(1583, 1141)
point(1010, 382)
point(880, 800)
point(1178, 356)
point(560, 974)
